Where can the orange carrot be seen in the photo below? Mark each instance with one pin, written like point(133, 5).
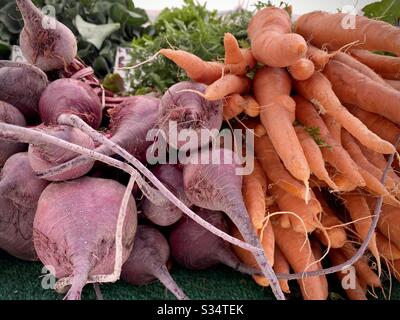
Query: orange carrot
point(318, 90)
point(364, 272)
point(377, 188)
point(334, 127)
point(196, 69)
point(388, 67)
point(306, 212)
point(335, 232)
point(335, 155)
point(303, 69)
point(272, 42)
point(396, 269)
point(281, 266)
point(323, 28)
point(381, 126)
point(355, 293)
point(314, 157)
point(277, 116)
point(260, 131)
point(389, 221)
point(360, 213)
point(248, 57)
point(228, 84)
point(355, 152)
point(296, 249)
point(360, 67)
point(235, 62)
point(233, 106)
point(251, 107)
point(395, 84)
point(319, 57)
point(254, 194)
point(317, 252)
point(355, 88)
point(386, 248)
point(276, 172)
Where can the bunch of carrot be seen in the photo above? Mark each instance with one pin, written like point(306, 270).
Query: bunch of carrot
point(324, 110)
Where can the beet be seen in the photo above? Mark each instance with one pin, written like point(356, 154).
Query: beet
point(44, 41)
point(148, 260)
point(11, 115)
point(168, 213)
point(75, 229)
point(196, 248)
point(190, 111)
point(216, 185)
point(70, 96)
point(22, 85)
point(45, 156)
point(19, 194)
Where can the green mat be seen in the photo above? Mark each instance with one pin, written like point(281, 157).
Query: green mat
point(20, 280)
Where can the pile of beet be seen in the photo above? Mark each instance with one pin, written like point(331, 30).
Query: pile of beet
point(60, 199)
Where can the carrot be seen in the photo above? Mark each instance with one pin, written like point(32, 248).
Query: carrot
point(389, 222)
point(272, 42)
point(251, 107)
point(355, 152)
point(281, 266)
point(335, 155)
point(314, 157)
point(377, 188)
point(335, 232)
point(196, 69)
point(358, 209)
point(268, 244)
point(355, 293)
point(317, 252)
point(396, 269)
point(360, 67)
point(318, 90)
point(388, 67)
point(380, 162)
point(276, 172)
point(306, 212)
point(249, 58)
point(254, 194)
point(233, 106)
point(284, 221)
point(228, 84)
point(355, 88)
point(344, 183)
point(381, 126)
point(303, 69)
point(386, 248)
point(300, 258)
point(323, 28)
point(334, 127)
point(364, 272)
point(319, 57)
point(260, 130)
point(277, 116)
point(395, 84)
point(235, 62)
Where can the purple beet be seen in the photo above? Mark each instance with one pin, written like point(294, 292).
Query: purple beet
point(70, 96)
point(167, 214)
point(19, 195)
point(148, 260)
point(194, 247)
point(22, 85)
point(189, 111)
point(74, 229)
point(44, 41)
point(216, 185)
point(44, 156)
point(10, 115)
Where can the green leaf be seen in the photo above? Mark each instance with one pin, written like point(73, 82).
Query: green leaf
point(114, 83)
point(385, 10)
point(95, 34)
point(121, 14)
